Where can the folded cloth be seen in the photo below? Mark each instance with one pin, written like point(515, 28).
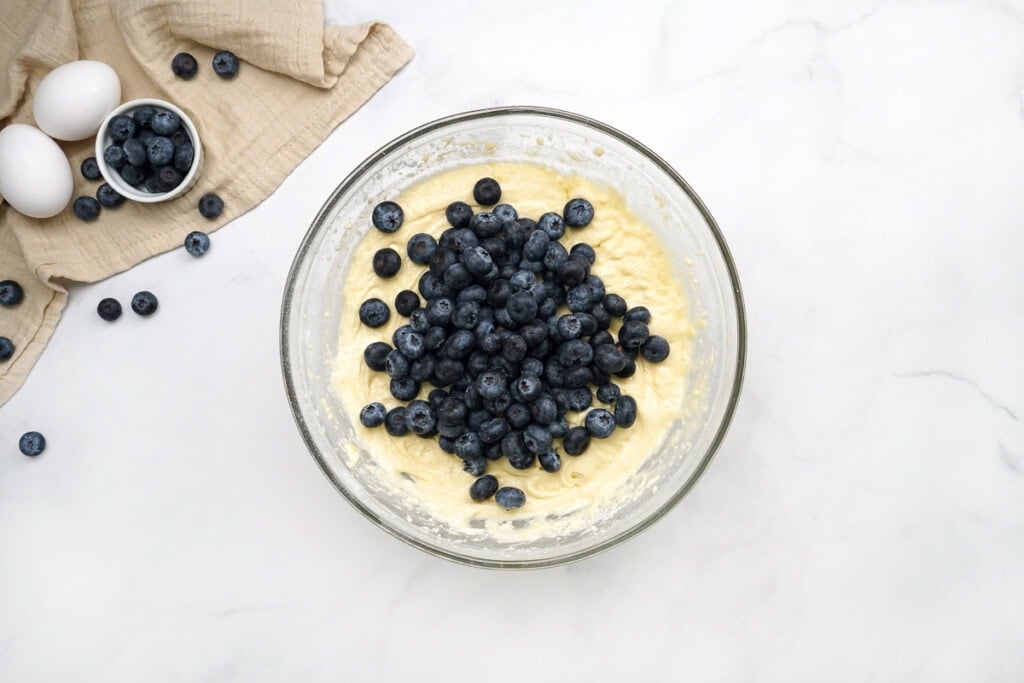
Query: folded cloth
point(297, 81)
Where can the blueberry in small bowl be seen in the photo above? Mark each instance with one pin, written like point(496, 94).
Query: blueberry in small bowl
point(148, 151)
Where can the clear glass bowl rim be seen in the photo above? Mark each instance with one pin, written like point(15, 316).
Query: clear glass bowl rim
point(320, 223)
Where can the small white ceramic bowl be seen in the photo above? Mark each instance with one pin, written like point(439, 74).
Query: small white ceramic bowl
point(114, 178)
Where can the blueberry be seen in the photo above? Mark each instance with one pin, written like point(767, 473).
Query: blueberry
point(583, 251)
point(561, 401)
point(532, 367)
point(629, 369)
point(544, 409)
point(420, 248)
point(406, 302)
point(457, 276)
point(373, 414)
point(483, 488)
point(422, 369)
point(578, 212)
point(458, 214)
point(522, 307)
point(514, 234)
point(32, 443)
point(86, 208)
point(510, 498)
point(588, 323)
point(576, 441)
point(518, 415)
point(579, 399)
point(159, 150)
point(109, 309)
point(386, 262)
point(579, 376)
point(476, 260)
point(555, 256)
point(134, 152)
point(473, 293)
point(521, 280)
point(183, 156)
point(439, 311)
point(168, 178)
point(197, 243)
point(448, 371)
point(441, 259)
point(572, 272)
point(466, 315)
point(374, 313)
point(615, 305)
point(142, 116)
point(90, 169)
point(485, 224)
point(633, 334)
point(451, 432)
point(536, 246)
point(579, 297)
point(451, 411)
point(477, 416)
point(164, 122)
point(225, 64)
point(569, 327)
point(514, 348)
point(655, 349)
point(11, 293)
point(6, 349)
point(552, 224)
point(394, 422)
point(600, 423)
point(430, 286)
point(447, 443)
point(184, 65)
point(121, 128)
point(550, 461)
point(133, 175)
point(412, 345)
point(459, 344)
point(639, 313)
point(404, 389)
point(144, 303)
point(537, 438)
point(486, 192)
point(532, 266)
point(475, 466)
point(491, 384)
point(396, 364)
point(420, 418)
point(601, 318)
point(418, 321)
point(625, 411)
point(608, 393)
point(114, 156)
point(559, 428)
point(435, 338)
point(506, 213)
point(575, 352)
point(387, 217)
point(493, 430)
point(469, 446)
point(515, 451)
point(375, 355)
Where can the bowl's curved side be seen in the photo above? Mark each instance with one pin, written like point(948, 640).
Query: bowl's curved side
point(320, 223)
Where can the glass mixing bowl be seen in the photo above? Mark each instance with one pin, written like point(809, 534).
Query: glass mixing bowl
point(314, 299)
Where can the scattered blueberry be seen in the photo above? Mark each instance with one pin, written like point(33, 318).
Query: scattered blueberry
point(578, 213)
point(375, 355)
point(420, 248)
point(394, 422)
point(387, 217)
point(483, 488)
point(633, 334)
point(108, 197)
point(576, 441)
point(6, 349)
point(144, 303)
point(164, 122)
point(625, 411)
point(374, 313)
point(225, 64)
point(550, 461)
point(197, 243)
point(406, 302)
point(86, 208)
point(639, 313)
point(11, 293)
point(184, 65)
point(458, 214)
point(608, 393)
point(210, 205)
point(510, 498)
point(109, 309)
point(372, 415)
point(615, 305)
point(420, 418)
point(486, 192)
point(386, 262)
point(90, 169)
point(32, 443)
point(552, 224)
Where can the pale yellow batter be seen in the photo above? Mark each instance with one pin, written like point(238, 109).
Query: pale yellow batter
point(632, 262)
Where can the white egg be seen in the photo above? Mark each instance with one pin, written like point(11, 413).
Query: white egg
point(72, 100)
point(35, 175)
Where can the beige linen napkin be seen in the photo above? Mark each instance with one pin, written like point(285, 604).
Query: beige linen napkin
point(298, 80)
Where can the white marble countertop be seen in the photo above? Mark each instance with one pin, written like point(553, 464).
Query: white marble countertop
point(864, 520)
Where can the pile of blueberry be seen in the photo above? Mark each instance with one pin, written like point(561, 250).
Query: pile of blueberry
point(492, 335)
